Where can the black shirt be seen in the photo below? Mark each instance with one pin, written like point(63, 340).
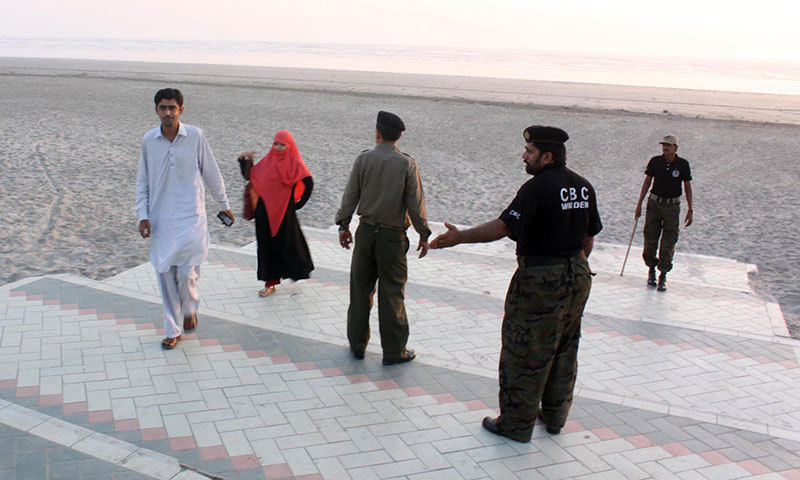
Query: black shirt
point(552, 214)
point(667, 176)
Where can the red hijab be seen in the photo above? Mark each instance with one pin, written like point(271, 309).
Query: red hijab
point(274, 176)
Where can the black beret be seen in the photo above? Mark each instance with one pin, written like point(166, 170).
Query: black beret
point(541, 133)
point(390, 120)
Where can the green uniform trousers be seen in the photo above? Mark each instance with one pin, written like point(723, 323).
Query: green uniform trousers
point(662, 220)
point(379, 255)
point(541, 332)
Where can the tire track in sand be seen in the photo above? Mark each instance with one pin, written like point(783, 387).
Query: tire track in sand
point(55, 205)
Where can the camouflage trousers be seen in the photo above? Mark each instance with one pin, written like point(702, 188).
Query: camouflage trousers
point(661, 221)
point(541, 332)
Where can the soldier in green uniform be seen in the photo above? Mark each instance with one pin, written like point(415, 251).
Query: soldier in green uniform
point(666, 172)
point(385, 185)
point(553, 219)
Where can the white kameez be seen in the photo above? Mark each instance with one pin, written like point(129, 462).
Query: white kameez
point(170, 192)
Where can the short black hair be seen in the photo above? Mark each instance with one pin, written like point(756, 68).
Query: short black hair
point(390, 134)
point(169, 94)
point(558, 150)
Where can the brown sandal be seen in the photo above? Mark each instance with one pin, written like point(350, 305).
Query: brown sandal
point(266, 291)
point(190, 322)
point(170, 343)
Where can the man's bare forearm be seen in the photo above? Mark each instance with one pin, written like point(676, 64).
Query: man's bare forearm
point(486, 232)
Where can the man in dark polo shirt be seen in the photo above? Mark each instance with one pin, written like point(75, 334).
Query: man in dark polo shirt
point(554, 220)
point(662, 220)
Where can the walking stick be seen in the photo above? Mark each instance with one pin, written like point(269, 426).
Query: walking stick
point(629, 246)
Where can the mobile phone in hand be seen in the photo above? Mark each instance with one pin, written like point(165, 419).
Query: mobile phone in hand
point(228, 221)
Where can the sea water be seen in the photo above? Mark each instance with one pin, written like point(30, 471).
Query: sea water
point(667, 72)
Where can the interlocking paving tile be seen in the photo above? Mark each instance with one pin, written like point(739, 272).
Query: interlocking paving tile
point(667, 383)
point(719, 377)
point(298, 404)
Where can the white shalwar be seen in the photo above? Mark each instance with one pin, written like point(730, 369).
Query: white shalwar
point(170, 192)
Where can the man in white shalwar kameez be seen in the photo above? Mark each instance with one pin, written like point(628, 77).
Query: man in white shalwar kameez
point(175, 167)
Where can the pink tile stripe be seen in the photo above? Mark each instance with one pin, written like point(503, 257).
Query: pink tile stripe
point(386, 385)
point(793, 474)
point(76, 407)
point(245, 462)
point(6, 384)
point(572, 426)
point(415, 391)
point(359, 378)
point(676, 449)
point(50, 400)
point(213, 453)
point(640, 441)
point(686, 346)
point(605, 433)
point(182, 443)
point(101, 416)
point(27, 392)
point(754, 466)
point(715, 458)
point(475, 405)
point(158, 433)
point(445, 398)
point(126, 425)
point(278, 471)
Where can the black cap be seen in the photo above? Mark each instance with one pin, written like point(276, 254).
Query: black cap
point(390, 120)
point(541, 133)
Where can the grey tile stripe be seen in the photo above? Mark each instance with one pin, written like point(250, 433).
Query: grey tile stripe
point(27, 456)
point(94, 444)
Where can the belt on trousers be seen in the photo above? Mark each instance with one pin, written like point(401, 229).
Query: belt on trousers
point(540, 261)
point(379, 226)
point(664, 199)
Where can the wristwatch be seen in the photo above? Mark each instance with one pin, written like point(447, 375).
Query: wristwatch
point(342, 229)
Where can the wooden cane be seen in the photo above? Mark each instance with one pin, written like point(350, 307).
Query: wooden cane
point(629, 246)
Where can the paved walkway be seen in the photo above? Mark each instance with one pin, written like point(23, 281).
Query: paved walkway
point(698, 382)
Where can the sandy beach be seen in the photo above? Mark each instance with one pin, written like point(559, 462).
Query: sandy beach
point(71, 134)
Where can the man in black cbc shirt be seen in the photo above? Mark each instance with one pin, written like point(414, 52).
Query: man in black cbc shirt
point(662, 219)
point(554, 220)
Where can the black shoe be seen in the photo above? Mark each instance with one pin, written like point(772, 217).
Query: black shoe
point(406, 356)
point(651, 277)
point(662, 282)
point(490, 425)
point(550, 430)
point(357, 355)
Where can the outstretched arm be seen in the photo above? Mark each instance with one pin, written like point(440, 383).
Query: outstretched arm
point(486, 232)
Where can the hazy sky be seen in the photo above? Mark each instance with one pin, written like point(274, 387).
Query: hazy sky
point(760, 30)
